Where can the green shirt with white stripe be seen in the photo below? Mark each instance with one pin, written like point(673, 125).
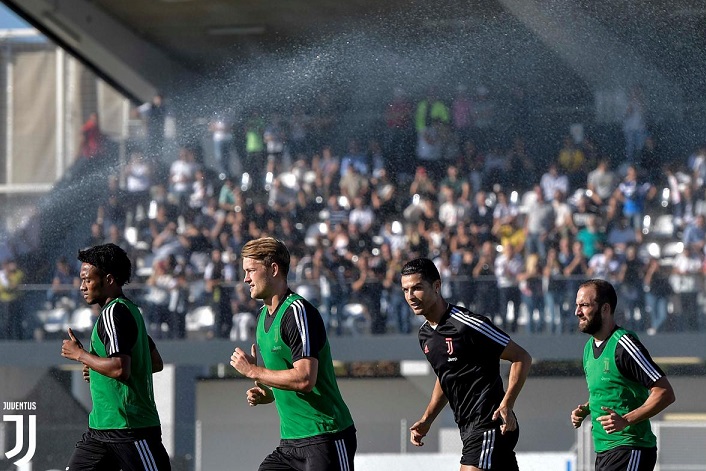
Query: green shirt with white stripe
point(609, 387)
point(302, 414)
point(119, 404)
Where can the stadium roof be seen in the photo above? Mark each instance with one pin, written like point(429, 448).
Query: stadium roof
point(148, 45)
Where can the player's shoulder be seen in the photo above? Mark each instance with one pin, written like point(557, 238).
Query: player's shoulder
point(463, 317)
point(300, 303)
point(629, 343)
point(469, 322)
point(119, 315)
point(301, 307)
point(627, 337)
point(117, 309)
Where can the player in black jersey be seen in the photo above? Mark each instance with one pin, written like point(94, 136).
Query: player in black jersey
point(465, 350)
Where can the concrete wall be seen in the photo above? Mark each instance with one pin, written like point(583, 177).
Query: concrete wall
point(233, 432)
point(210, 420)
point(383, 409)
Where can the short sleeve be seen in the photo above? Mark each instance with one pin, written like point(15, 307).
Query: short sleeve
point(117, 329)
point(635, 363)
point(487, 335)
point(303, 330)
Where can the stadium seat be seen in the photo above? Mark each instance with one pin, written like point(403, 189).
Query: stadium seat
point(200, 319)
point(82, 320)
point(243, 329)
point(669, 251)
point(355, 319)
point(54, 320)
point(663, 226)
point(672, 249)
point(309, 291)
point(313, 233)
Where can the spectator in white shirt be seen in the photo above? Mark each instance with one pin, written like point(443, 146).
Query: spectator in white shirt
point(552, 181)
point(361, 216)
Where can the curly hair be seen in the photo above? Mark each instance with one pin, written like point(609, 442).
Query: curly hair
point(110, 259)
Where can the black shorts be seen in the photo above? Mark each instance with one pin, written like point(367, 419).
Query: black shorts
point(627, 459)
point(490, 449)
point(146, 454)
point(329, 455)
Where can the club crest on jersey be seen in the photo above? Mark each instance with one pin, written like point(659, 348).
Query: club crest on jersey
point(449, 346)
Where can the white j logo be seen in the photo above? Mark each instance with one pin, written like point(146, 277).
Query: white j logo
point(19, 438)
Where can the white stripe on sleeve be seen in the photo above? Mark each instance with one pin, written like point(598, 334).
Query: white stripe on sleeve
point(302, 326)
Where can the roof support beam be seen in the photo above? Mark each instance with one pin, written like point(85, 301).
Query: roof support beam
point(127, 61)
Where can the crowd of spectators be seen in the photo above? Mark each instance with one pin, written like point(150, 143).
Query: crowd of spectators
point(512, 233)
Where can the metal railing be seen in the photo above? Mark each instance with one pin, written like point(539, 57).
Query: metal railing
point(348, 312)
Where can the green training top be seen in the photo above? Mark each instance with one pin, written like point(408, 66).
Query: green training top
point(122, 404)
point(302, 415)
point(607, 387)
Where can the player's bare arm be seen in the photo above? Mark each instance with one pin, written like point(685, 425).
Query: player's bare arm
point(519, 370)
point(157, 362)
point(436, 404)
point(301, 377)
point(116, 367)
point(661, 396)
point(157, 365)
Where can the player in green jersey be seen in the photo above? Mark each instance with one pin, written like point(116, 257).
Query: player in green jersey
point(124, 431)
point(316, 428)
point(625, 386)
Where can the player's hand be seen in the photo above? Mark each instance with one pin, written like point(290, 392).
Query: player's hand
point(612, 421)
point(578, 414)
point(72, 348)
point(260, 394)
point(418, 431)
point(505, 414)
point(242, 362)
point(86, 374)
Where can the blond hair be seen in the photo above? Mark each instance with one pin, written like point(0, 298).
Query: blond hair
point(268, 250)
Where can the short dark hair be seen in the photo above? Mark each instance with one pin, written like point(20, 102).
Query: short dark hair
point(110, 259)
point(424, 267)
point(605, 293)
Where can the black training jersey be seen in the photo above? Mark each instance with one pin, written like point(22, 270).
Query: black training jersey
point(304, 334)
point(464, 350)
point(633, 360)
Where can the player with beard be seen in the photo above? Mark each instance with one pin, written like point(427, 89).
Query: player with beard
point(625, 386)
